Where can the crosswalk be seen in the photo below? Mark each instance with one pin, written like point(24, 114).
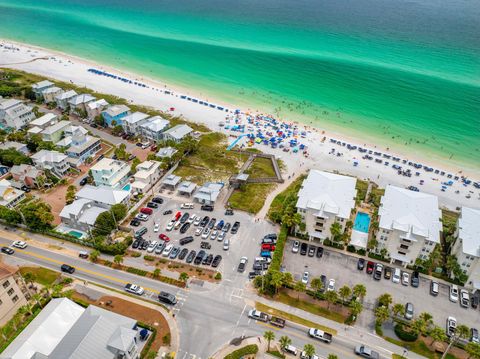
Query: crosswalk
point(182, 296)
point(186, 355)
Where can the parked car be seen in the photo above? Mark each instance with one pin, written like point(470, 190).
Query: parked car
point(370, 267)
point(319, 252)
point(152, 246)
point(197, 221)
point(135, 222)
point(229, 212)
point(160, 247)
point(167, 212)
point(434, 286)
point(157, 200)
point(184, 228)
point(174, 253)
point(405, 278)
point(19, 244)
point(235, 227)
point(146, 210)
point(7, 250)
point(464, 298)
point(206, 233)
point(226, 227)
point(183, 253)
point(192, 219)
point(305, 277)
point(311, 251)
point(156, 227)
point(453, 296)
point(133, 288)
point(366, 352)
point(226, 245)
point(242, 264)
point(290, 349)
point(83, 181)
point(67, 268)
point(168, 249)
point(361, 264)
point(207, 208)
point(164, 237)
point(200, 257)
point(331, 285)
point(377, 273)
point(476, 299)
point(408, 311)
point(387, 273)
point(216, 261)
point(295, 246)
point(220, 224)
point(185, 240)
point(185, 217)
point(205, 221)
point(142, 217)
point(213, 235)
point(152, 205)
point(212, 222)
point(167, 298)
point(415, 281)
point(303, 249)
point(396, 275)
point(474, 336)
point(198, 231)
point(191, 256)
point(451, 326)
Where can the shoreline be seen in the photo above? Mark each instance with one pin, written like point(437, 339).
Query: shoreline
point(67, 68)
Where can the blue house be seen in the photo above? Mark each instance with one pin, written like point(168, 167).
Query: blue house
point(115, 113)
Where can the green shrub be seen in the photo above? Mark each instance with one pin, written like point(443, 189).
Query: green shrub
point(351, 249)
point(276, 353)
point(405, 335)
point(239, 353)
point(218, 276)
point(362, 251)
point(137, 271)
point(279, 248)
point(378, 329)
point(166, 339)
point(149, 258)
point(135, 254)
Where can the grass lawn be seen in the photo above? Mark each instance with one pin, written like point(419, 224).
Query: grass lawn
point(288, 316)
point(418, 347)
point(376, 195)
point(361, 188)
point(278, 202)
point(261, 168)
point(250, 197)
point(310, 307)
point(211, 162)
point(43, 276)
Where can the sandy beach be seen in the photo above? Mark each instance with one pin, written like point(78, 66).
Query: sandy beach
point(319, 152)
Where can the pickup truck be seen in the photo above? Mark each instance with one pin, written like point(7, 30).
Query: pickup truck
point(258, 315)
point(278, 322)
point(320, 335)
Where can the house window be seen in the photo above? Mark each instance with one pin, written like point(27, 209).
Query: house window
point(406, 240)
point(403, 246)
point(10, 291)
point(6, 284)
point(318, 224)
point(15, 299)
point(402, 253)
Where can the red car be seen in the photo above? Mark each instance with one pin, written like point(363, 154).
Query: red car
point(164, 237)
point(268, 247)
point(177, 216)
point(146, 210)
point(370, 266)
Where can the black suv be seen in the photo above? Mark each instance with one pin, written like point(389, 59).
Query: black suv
point(361, 264)
point(152, 205)
point(199, 258)
point(207, 207)
point(157, 200)
point(303, 249)
point(184, 227)
point(229, 212)
point(415, 281)
point(68, 269)
point(191, 256)
point(211, 224)
point(204, 221)
point(186, 240)
point(167, 298)
point(184, 218)
point(235, 227)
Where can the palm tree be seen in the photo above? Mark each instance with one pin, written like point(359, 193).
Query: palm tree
point(284, 342)
point(427, 319)
point(183, 277)
point(438, 335)
point(276, 280)
point(336, 231)
point(4, 331)
point(398, 309)
point(419, 326)
point(473, 350)
point(344, 292)
point(287, 278)
point(359, 291)
point(461, 332)
point(300, 287)
point(356, 307)
point(269, 336)
point(381, 315)
point(94, 255)
point(332, 356)
point(385, 300)
point(29, 277)
point(309, 350)
point(118, 259)
point(23, 310)
point(316, 284)
point(156, 273)
point(331, 297)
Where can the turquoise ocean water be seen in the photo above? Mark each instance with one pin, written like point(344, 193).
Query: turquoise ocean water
point(404, 73)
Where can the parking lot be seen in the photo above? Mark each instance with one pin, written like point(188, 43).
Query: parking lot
point(243, 243)
point(343, 268)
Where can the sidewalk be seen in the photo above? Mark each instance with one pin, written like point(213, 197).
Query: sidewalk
point(228, 348)
point(172, 323)
point(346, 332)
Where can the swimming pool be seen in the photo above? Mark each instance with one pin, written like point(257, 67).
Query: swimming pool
point(126, 187)
point(76, 234)
point(362, 221)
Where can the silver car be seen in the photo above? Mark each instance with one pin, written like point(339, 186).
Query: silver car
point(409, 311)
point(226, 245)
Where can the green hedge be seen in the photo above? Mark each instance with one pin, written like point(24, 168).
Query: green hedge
point(137, 271)
point(279, 248)
point(239, 353)
point(151, 338)
point(404, 335)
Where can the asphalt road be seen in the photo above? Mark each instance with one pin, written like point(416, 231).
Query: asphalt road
point(208, 315)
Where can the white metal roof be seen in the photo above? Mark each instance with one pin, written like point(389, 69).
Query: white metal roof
point(469, 231)
point(328, 193)
point(102, 194)
point(135, 117)
point(414, 213)
point(178, 132)
point(44, 119)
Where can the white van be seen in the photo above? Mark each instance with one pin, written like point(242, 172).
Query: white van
point(290, 349)
point(186, 206)
point(396, 275)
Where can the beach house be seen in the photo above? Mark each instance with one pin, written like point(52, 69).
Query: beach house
point(90, 201)
point(177, 133)
point(110, 173)
point(154, 128)
point(148, 173)
point(26, 175)
point(66, 330)
point(63, 98)
point(114, 115)
point(131, 123)
point(41, 86)
point(10, 196)
point(14, 114)
point(95, 108)
point(208, 193)
point(13, 292)
point(50, 93)
point(52, 161)
point(54, 133)
point(409, 225)
point(78, 104)
point(80, 145)
point(166, 152)
point(467, 245)
point(49, 119)
point(324, 199)
point(20, 147)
